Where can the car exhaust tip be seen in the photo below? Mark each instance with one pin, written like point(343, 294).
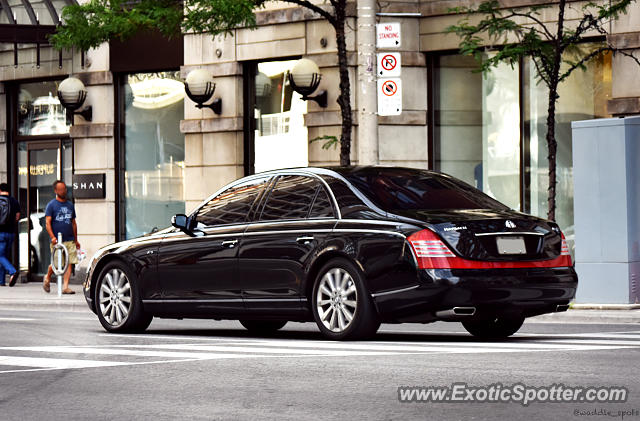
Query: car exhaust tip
point(456, 312)
point(562, 307)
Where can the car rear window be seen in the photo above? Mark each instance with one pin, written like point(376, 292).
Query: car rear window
point(407, 189)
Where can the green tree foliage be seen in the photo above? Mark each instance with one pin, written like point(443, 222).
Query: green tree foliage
point(553, 47)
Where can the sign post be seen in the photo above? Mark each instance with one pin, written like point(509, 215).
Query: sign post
point(389, 69)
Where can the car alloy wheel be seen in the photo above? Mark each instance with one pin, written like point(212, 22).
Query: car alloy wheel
point(337, 300)
point(118, 302)
point(115, 297)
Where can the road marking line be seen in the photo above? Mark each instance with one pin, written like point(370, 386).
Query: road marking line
point(15, 319)
point(323, 347)
point(60, 363)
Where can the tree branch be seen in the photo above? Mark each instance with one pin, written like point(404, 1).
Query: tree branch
point(541, 74)
point(546, 31)
point(315, 8)
point(580, 63)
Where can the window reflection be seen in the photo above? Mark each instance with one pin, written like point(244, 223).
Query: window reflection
point(583, 96)
point(40, 111)
point(477, 126)
point(279, 115)
point(153, 151)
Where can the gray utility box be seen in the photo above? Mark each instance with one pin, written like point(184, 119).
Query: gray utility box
point(606, 177)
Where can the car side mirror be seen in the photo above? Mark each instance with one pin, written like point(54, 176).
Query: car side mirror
point(182, 222)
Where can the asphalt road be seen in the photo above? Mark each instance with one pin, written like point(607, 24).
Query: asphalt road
point(64, 366)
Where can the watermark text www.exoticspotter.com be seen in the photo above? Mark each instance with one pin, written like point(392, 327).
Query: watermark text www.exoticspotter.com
point(518, 393)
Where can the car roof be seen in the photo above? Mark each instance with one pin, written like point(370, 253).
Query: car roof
point(351, 170)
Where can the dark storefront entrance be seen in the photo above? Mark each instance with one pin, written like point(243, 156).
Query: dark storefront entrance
point(39, 165)
point(43, 153)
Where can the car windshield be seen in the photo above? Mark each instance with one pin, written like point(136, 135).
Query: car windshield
point(394, 189)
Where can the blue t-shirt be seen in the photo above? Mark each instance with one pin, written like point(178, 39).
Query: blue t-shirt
point(61, 213)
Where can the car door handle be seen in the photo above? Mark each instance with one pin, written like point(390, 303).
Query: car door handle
point(229, 243)
point(305, 239)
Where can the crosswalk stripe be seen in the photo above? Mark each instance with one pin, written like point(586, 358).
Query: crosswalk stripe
point(120, 354)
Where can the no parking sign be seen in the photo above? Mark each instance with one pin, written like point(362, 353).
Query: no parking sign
point(389, 65)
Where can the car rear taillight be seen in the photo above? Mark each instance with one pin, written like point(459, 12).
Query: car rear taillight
point(427, 244)
point(430, 250)
point(564, 251)
point(432, 253)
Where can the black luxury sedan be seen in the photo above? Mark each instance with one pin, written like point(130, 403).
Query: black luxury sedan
point(346, 247)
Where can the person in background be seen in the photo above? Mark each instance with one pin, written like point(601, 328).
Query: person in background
point(60, 215)
point(10, 214)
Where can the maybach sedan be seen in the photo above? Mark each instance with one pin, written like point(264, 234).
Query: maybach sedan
point(347, 247)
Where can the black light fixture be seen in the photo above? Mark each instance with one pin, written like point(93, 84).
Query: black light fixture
point(200, 87)
point(72, 94)
point(305, 78)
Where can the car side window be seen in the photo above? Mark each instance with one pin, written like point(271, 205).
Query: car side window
point(291, 198)
point(232, 205)
point(321, 205)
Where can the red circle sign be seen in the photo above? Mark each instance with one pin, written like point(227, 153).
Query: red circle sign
point(389, 88)
point(389, 62)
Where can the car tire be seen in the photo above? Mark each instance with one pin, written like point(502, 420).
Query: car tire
point(496, 328)
point(341, 304)
point(118, 300)
point(263, 326)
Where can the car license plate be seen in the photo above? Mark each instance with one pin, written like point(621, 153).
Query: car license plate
point(511, 245)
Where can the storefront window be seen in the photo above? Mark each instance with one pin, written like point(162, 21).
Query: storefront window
point(583, 96)
point(153, 151)
point(279, 114)
point(40, 111)
point(477, 126)
point(477, 130)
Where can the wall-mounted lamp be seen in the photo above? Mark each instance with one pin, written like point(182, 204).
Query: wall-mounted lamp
point(72, 93)
point(200, 87)
point(305, 78)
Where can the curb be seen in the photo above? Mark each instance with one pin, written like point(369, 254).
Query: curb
point(44, 305)
point(605, 306)
point(589, 316)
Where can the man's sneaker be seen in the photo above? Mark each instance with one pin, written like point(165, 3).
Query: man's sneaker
point(13, 279)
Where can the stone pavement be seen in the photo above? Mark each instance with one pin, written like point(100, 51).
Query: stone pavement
point(31, 296)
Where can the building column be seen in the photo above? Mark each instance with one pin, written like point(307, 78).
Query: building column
point(367, 84)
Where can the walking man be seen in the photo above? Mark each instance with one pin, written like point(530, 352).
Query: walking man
point(9, 216)
point(61, 218)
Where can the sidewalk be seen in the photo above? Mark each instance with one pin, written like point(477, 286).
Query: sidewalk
point(31, 296)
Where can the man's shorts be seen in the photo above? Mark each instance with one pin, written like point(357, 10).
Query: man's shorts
point(73, 253)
